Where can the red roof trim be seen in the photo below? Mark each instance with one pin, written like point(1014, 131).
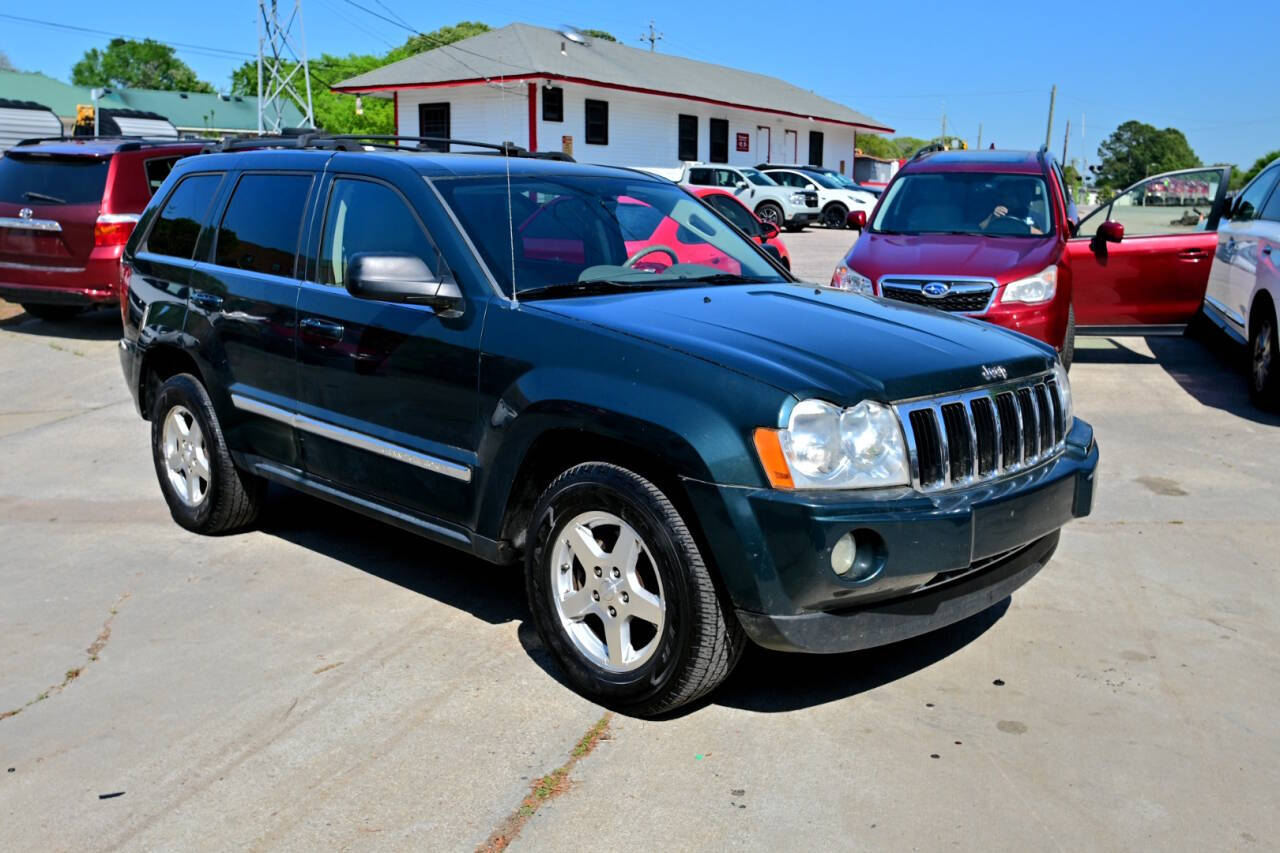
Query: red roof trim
point(391, 87)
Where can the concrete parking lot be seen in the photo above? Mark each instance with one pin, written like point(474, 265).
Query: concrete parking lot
point(325, 681)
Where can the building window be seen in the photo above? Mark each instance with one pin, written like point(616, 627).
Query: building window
point(687, 146)
point(719, 140)
point(553, 104)
point(433, 120)
point(815, 148)
point(597, 122)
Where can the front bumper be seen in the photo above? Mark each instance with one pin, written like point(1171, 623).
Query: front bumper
point(805, 217)
point(938, 558)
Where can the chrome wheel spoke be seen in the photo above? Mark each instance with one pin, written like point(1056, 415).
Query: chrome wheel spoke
point(617, 638)
point(183, 451)
point(200, 464)
point(576, 605)
point(645, 606)
point(193, 487)
point(585, 547)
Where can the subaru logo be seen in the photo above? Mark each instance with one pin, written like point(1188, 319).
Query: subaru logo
point(936, 289)
point(990, 372)
point(25, 213)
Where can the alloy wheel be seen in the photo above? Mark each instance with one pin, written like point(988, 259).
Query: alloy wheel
point(186, 457)
point(608, 594)
point(1262, 355)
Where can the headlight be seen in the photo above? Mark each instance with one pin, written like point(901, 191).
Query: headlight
point(825, 447)
point(848, 279)
point(1033, 289)
point(1064, 395)
point(798, 199)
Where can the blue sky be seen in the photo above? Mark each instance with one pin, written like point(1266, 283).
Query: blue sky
point(993, 63)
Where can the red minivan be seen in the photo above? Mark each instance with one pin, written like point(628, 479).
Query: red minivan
point(994, 235)
point(67, 207)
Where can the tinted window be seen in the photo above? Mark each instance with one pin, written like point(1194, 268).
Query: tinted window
point(1251, 199)
point(687, 145)
point(365, 217)
point(719, 140)
point(178, 225)
point(734, 212)
point(157, 170)
point(433, 120)
point(701, 177)
point(728, 179)
point(1272, 209)
point(259, 231)
point(597, 122)
point(758, 178)
point(553, 104)
point(815, 147)
point(31, 179)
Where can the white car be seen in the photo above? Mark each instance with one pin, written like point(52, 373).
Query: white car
point(784, 207)
point(835, 201)
point(1244, 281)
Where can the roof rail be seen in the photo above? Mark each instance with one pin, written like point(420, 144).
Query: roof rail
point(364, 141)
point(932, 148)
point(132, 142)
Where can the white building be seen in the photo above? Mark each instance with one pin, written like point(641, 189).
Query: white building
point(607, 103)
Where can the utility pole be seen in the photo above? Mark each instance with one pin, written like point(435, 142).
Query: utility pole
point(282, 65)
point(943, 138)
point(1048, 131)
point(979, 135)
point(1084, 152)
point(1065, 137)
point(653, 37)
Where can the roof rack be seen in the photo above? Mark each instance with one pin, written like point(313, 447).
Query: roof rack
point(365, 141)
point(932, 148)
point(128, 143)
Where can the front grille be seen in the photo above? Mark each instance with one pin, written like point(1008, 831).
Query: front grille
point(961, 296)
point(810, 199)
point(984, 434)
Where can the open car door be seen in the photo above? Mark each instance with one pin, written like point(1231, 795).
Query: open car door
point(1141, 261)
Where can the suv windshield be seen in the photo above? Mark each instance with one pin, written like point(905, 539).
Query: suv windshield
point(42, 179)
point(572, 230)
point(759, 178)
point(996, 205)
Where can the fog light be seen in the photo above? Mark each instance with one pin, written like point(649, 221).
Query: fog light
point(843, 554)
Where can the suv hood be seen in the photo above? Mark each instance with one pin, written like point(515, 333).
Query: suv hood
point(810, 341)
point(1001, 258)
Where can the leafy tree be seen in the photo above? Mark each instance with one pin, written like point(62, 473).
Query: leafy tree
point(5, 64)
point(142, 64)
point(890, 148)
point(1240, 178)
point(598, 34)
point(436, 38)
point(1136, 149)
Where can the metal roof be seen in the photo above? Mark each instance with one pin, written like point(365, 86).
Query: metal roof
point(521, 51)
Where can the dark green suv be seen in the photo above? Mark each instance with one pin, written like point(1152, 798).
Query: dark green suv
point(587, 370)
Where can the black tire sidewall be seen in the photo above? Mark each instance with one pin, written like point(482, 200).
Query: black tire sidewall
point(1268, 396)
point(779, 218)
point(1068, 353)
point(592, 488)
point(183, 390)
point(827, 220)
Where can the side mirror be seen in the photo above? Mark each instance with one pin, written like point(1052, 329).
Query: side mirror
point(404, 279)
point(1111, 231)
point(856, 219)
point(1229, 206)
point(768, 231)
point(740, 185)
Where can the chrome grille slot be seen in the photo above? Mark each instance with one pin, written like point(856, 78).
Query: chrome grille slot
point(962, 296)
point(982, 434)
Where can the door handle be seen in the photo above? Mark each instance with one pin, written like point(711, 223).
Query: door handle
point(207, 301)
point(1193, 254)
point(314, 327)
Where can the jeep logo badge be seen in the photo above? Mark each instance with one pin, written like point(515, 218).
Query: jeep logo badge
point(936, 289)
point(990, 372)
point(25, 213)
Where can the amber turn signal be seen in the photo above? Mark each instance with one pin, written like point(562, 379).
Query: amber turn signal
point(769, 449)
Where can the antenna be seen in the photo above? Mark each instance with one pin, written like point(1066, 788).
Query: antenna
point(282, 65)
point(652, 37)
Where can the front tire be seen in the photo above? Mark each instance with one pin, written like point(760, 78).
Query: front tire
point(205, 491)
point(835, 215)
point(771, 213)
point(1264, 347)
point(621, 596)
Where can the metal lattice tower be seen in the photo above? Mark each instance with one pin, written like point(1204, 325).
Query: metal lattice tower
point(282, 64)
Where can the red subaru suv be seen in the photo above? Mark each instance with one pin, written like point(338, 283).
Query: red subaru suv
point(995, 235)
point(67, 207)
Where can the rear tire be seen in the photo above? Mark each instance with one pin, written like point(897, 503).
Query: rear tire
point(770, 212)
point(51, 313)
point(205, 491)
point(673, 640)
point(1068, 352)
point(1264, 360)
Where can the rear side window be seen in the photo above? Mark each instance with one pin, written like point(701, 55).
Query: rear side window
point(259, 231)
point(1250, 204)
point(365, 217)
point(157, 170)
point(42, 179)
point(177, 227)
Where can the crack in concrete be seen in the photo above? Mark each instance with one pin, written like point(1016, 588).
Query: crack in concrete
point(545, 788)
point(95, 648)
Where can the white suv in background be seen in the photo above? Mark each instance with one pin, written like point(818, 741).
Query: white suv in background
point(1244, 281)
point(835, 201)
point(784, 207)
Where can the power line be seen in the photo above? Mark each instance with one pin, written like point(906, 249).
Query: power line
point(435, 42)
point(61, 26)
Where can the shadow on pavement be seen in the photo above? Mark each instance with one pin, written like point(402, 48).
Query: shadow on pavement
point(1206, 365)
point(99, 324)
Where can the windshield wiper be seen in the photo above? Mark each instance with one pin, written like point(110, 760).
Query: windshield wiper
point(594, 287)
point(33, 195)
point(723, 278)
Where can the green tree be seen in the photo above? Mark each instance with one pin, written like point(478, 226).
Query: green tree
point(134, 64)
point(598, 34)
point(436, 38)
point(1240, 178)
point(1136, 149)
point(5, 64)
